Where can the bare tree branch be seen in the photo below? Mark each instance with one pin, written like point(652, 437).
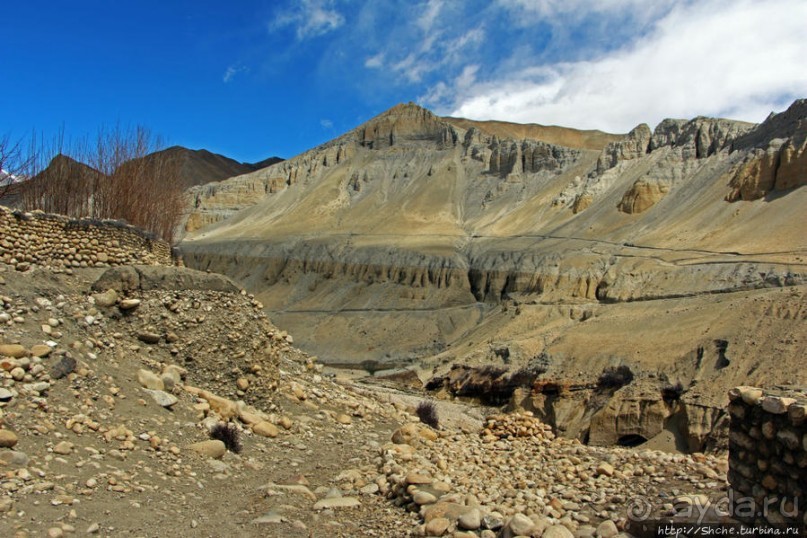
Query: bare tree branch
point(118, 181)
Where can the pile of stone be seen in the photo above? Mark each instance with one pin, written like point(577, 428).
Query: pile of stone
point(55, 241)
point(30, 370)
point(77, 442)
point(515, 478)
point(523, 425)
point(768, 456)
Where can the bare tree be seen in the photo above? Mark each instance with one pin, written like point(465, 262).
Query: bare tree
point(117, 181)
point(12, 167)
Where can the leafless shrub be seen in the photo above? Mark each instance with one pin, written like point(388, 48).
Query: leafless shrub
point(227, 434)
point(615, 377)
point(108, 178)
point(672, 392)
point(12, 167)
point(427, 413)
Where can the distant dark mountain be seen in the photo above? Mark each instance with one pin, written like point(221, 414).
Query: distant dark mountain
point(266, 162)
point(197, 167)
point(193, 166)
point(65, 168)
point(62, 187)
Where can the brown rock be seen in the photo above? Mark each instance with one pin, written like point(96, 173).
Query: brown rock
point(776, 405)
point(150, 380)
point(15, 351)
point(40, 350)
point(581, 203)
point(470, 520)
point(212, 448)
point(248, 417)
point(520, 525)
point(8, 439)
point(642, 196)
point(557, 531)
point(337, 502)
point(148, 337)
point(423, 497)
point(605, 468)
point(64, 448)
point(225, 408)
point(797, 413)
point(607, 529)
point(418, 479)
point(265, 429)
point(129, 304)
point(413, 434)
point(437, 526)
point(106, 299)
point(285, 423)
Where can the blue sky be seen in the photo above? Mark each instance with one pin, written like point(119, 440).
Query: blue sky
point(251, 79)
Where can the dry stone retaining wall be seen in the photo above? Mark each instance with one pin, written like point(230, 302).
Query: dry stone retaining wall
point(768, 456)
point(57, 241)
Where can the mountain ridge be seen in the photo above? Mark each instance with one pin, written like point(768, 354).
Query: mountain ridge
point(200, 166)
point(412, 242)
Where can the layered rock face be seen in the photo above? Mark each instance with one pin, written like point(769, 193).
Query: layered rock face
point(419, 241)
point(776, 156)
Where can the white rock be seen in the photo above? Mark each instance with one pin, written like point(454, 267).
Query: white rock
point(162, 398)
point(337, 502)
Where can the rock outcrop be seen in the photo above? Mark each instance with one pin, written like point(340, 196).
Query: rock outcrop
point(643, 195)
point(780, 167)
point(634, 146)
point(775, 158)
point(698, 138)
point(528, 157)
point(406, 123)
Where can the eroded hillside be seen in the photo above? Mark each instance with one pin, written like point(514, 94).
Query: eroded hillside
point(421, 241)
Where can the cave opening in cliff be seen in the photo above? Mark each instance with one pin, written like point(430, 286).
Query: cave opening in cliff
point(632, 440)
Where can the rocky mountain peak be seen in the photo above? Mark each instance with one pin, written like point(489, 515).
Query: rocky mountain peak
point(775, 156)
point(788, 124)
point(699, 137)
point(406, 123)
point(64, 166)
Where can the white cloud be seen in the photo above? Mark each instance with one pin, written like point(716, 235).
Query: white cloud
point(551, 8)
point(437, 50)
point(375, 62)
point(430, 14)
point(232, 71)
point(467, 78)
point(413, 67)
point(455, 47)
point(310, 18)
point(325, 123)
point(442, 91)
point(737, 59)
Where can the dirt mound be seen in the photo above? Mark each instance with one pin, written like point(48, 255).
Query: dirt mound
point(107, 399)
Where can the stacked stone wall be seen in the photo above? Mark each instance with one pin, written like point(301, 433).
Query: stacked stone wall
point(768, 456)
point(56, 241)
